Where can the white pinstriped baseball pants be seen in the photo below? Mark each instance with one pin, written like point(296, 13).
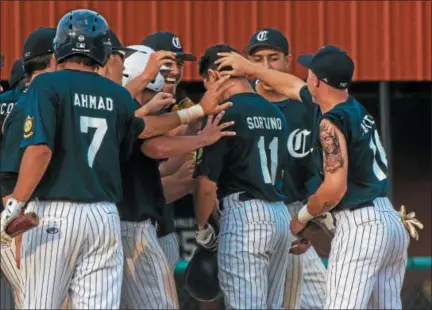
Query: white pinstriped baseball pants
point(367, 259)
point(75, 249)
point(11, 280)
point(170, 247)
point(148, 282)
point(252, 253)
point(310, 271)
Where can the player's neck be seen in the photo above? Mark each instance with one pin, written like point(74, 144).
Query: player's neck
point(240, 85)
point(270, 95)
point(332, 99)
point(78, 67)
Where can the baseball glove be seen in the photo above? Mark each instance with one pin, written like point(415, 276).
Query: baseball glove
point(22, 223)
point(410, 222)
point(183, 104)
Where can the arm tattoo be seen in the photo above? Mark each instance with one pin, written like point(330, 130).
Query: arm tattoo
point(332, 154)
point(328, 206)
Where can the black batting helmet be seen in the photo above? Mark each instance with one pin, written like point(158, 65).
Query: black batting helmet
point(201, 276)
point(83, 32)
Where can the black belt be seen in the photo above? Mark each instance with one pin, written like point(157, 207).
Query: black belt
point(245, 196)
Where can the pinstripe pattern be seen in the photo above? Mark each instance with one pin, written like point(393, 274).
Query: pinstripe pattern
point(314, 276)
point(11, 273)
point(293, 281)
point(148, 282)
point(252, 253)
point(170, 247)
point(6, 295)
point(367, 259)
point(76, 248)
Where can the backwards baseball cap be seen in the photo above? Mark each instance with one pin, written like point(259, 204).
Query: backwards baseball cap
point(136, 63)
point(167, 41)
point(207, 61)
point(17, 73)
point(331, 65)
point(270, 38)
point(38, 43)
point(116, 45)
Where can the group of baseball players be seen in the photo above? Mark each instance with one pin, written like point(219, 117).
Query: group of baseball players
point(95, 143)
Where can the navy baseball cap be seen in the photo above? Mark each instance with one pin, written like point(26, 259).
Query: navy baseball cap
point(167, 41)
point(116, 45)
point(331, 65)
point(38, 43)
point(270, 38)
point(17, 73)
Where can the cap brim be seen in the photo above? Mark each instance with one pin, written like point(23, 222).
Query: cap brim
point(251, 48)
point(123, 49)
point(185, 57)
point(305, 60)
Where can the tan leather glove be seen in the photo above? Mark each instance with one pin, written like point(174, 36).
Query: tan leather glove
point(410, 222)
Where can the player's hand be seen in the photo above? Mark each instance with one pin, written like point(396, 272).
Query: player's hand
point(295, 226)
point(186, 170)
point(156, 61)
point(207, 238)
point(240, 65)
point(160, 101)
point(213, 130)
point(11, 211)
point(299, 246)
point(213, 96)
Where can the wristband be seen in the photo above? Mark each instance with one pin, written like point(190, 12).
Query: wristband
point(304, 216)
point(190, 114)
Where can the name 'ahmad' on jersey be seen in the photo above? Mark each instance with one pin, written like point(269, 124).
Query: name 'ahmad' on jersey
point(83, 118)
point(367, 162)
point(252, 161)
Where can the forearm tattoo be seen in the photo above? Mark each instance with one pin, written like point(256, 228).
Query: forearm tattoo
point(332, 155)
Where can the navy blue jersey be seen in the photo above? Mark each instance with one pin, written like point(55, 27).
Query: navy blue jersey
point(367, 163)
point(143, 196)
point(254, 160)
point(83, 118)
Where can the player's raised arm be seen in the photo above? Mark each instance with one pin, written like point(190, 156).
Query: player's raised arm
point(334, 186)
point(209, 104)
point(166, 146)
point(283, 83)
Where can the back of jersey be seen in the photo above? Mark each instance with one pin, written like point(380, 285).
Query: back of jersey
point(83, 118)
point(367, 163)
point(253, 161)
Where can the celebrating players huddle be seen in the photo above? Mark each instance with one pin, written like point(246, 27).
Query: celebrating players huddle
point(94, 147)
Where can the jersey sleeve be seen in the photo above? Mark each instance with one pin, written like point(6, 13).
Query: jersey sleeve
point(210, 160)
point(40, 115)
point(338, 118)
point(306, 97)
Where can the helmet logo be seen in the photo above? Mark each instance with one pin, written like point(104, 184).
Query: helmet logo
point(176, 42)
point(81, 38)
point(262, 35)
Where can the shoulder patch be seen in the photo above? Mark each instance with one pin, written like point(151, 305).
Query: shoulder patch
point(28, 127)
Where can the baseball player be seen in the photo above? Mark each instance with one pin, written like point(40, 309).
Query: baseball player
point(75, 121)
point(354, 166)
point(180, 183)
point(268, 47)
point(37, 58)
point(245, 173)
point(7, 103)
point(149, 284)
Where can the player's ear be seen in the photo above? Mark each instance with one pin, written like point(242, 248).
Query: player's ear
point(288, 62)
point(213, 75)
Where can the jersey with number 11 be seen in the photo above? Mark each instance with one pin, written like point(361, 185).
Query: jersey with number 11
point(83, 118)
point(367, 162)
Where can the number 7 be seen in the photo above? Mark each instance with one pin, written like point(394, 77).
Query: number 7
point(101, 128)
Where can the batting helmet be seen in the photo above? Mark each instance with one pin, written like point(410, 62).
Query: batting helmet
point(83, 32)
point(201, 276)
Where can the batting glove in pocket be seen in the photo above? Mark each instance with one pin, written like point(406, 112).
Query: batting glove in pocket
point(207, 238)
point(12, 210)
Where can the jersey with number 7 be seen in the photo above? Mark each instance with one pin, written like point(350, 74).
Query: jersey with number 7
point(367, 162)
point(254, 159)
point(83, 118)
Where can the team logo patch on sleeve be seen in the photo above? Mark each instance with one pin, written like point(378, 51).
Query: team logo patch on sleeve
point(28, 127)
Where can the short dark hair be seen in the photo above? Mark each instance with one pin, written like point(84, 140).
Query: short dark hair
point(81, 60)
point(207, 61)
point(36, 63)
